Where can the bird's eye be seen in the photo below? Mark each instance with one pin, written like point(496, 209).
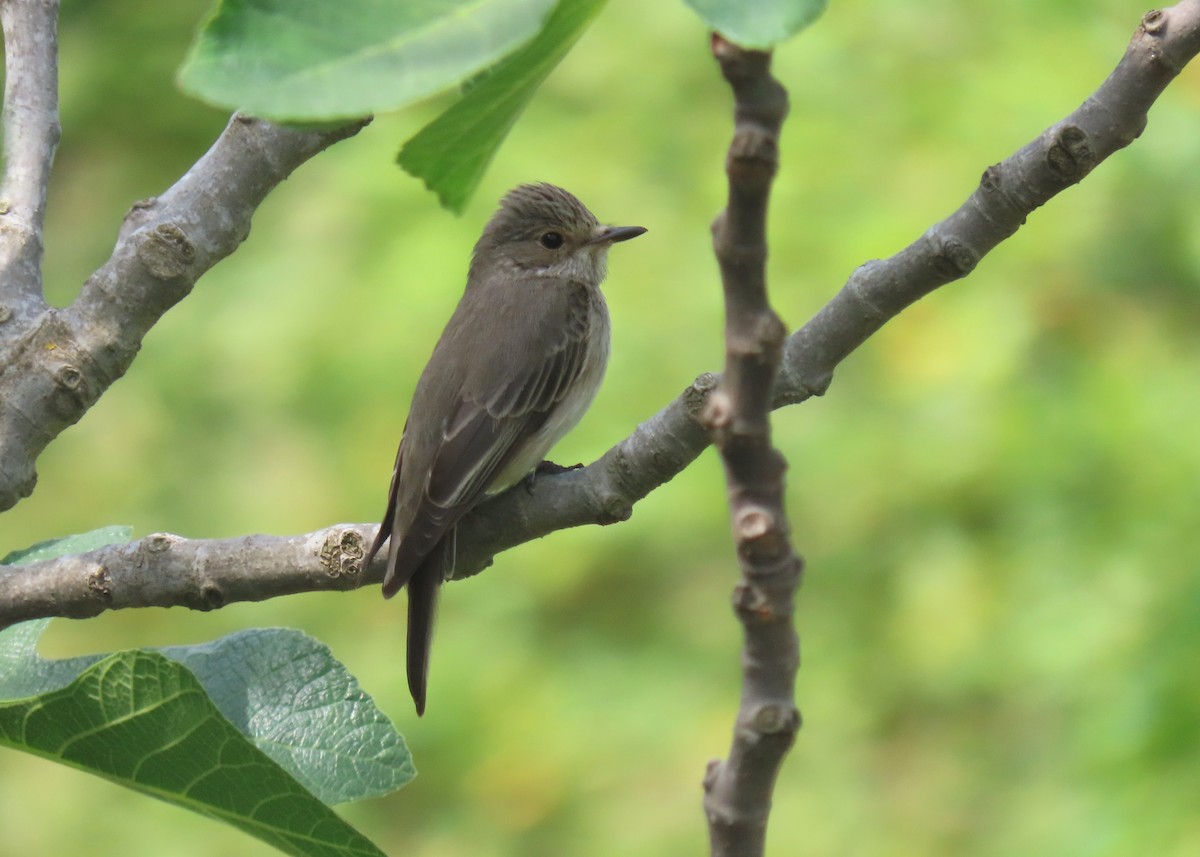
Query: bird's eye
point(551, 240)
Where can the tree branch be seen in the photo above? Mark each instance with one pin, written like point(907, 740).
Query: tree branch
point(1108, 120)
point(162, 570)
point(31, 131)
point(664, 445)
point(737, 790)
point(63, 360)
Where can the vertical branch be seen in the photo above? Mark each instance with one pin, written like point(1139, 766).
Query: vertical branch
point(31, 131)
point(738, 789)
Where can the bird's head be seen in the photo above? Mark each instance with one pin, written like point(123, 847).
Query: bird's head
point(542, 230)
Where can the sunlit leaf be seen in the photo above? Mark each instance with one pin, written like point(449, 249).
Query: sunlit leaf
point(453, 151)
point(314, 60)
point(142, 720)
point(300, 705)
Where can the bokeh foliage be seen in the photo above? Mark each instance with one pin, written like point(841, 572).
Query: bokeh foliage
point(997, 499)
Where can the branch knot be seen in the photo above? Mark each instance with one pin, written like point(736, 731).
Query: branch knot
point(953, 258)
point(1069, 155)
point(751, 523)
point(100, 582)
point(1154, 22)
point(167, 253)
point(754, 154)
point(717, 412)
point(773, 719)
point(341, 553)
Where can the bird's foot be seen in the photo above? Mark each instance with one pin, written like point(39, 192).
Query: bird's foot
point(547, 468)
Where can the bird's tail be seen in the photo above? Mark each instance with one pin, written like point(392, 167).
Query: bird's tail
point(423, 589)
point(422, 603)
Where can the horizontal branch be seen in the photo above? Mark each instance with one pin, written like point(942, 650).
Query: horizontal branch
point(163, 570)
point(661, 447)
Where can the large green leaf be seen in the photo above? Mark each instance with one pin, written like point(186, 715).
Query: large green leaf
point(299, 705)
point(452, 152)
point(321, 60)
point(142, 720)
point(260, 729)
point(759, 24)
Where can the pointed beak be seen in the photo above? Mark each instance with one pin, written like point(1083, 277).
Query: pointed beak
point(613, 234)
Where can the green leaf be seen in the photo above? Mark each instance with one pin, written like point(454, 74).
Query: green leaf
point(300, 706)
point(259, 729)
point(142, 720)
point(758, 24)
point(319, 60)
point(452, 152)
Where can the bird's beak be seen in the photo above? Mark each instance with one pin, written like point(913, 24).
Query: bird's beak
point(613, 234)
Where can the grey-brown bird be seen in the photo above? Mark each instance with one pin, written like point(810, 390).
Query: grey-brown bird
point(516, 367)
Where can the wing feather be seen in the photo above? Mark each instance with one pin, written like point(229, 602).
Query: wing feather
point(468, 458)
point(499, 406)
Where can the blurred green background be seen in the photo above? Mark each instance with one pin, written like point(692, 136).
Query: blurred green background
point(998, 499)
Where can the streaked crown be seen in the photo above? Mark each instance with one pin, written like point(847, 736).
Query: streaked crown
point(529, 210)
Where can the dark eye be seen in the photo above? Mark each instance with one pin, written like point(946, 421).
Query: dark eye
point(551, 240)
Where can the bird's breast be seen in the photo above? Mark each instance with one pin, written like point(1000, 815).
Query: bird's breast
point(567, 414)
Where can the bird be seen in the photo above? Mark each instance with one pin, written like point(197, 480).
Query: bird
point(516, 367)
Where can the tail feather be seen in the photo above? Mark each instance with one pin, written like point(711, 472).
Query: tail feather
point(422, 605)
point(422, 574)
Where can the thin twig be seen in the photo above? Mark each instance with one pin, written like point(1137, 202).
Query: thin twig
point(737, 799)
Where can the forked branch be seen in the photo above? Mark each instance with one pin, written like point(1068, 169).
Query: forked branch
point(661, 447)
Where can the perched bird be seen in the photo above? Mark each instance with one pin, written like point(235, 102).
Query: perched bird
point(516, 367)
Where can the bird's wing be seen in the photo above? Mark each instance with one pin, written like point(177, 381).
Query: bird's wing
point(389, 514)
point(483, 436)
point(498, 409)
